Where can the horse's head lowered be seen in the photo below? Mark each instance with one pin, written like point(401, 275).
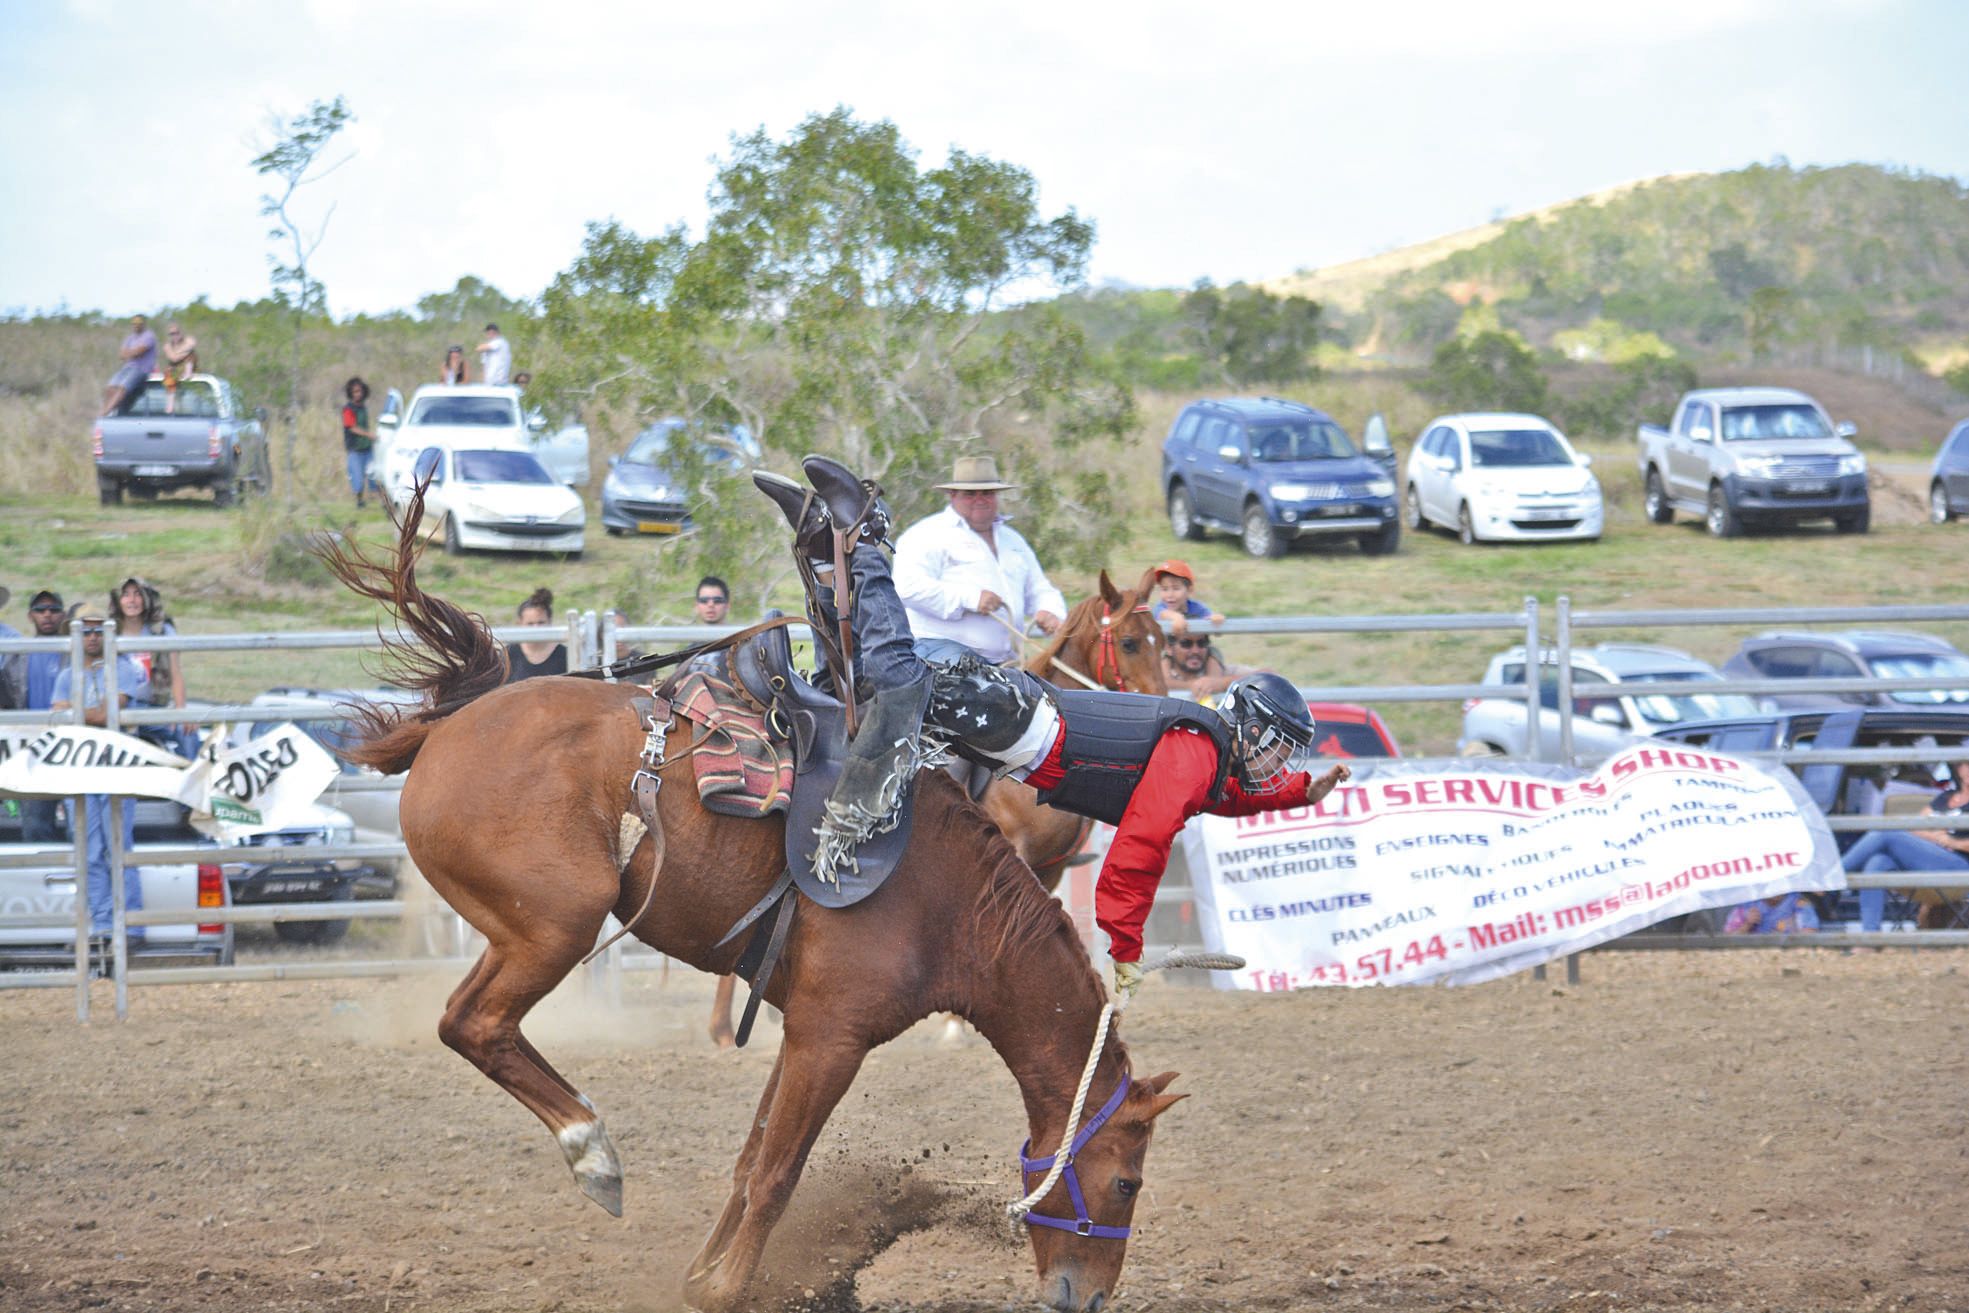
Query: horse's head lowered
point(1080, 1229)
point(1108, 641)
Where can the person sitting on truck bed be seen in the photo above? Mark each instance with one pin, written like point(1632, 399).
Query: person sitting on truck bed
point(88, 686)
point(180, 362)
point(139, 357)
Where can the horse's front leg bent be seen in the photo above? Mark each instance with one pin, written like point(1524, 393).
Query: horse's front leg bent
point(808, 1081)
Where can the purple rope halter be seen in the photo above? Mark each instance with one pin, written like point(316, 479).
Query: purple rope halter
point(1081, 1224)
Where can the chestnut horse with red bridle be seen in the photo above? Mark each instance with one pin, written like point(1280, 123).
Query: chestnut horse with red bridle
point(512, 809)
point(1107, 641)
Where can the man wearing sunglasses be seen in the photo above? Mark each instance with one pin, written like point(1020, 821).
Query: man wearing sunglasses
point(1193, 665)
point(89, 687)
point(713, 601)
point(1143, 764)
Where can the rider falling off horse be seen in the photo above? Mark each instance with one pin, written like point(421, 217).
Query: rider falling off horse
point(1143, 764)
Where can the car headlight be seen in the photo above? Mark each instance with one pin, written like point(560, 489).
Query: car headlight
point(1853, 464)
point(1758, 465)
point(573, 515)
point(1380, 487)
point(339, 834)
point(1292, 491)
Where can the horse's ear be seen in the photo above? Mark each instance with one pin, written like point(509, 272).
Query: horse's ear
point(1146, 589)
point(1164, 1081)
point(1109, 593)
point(1158, 1102)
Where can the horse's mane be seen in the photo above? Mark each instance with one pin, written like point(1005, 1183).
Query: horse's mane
point(1079, 615)
point(1012, 907)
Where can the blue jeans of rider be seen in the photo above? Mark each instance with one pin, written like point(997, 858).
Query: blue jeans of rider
point(1894, 850)
point(885, 651)
point(101, 909)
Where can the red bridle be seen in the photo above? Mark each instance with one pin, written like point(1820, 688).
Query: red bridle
point(1106, 653)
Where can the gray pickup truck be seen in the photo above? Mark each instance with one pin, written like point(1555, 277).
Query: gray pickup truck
point(192, 437)
point(1740, 457)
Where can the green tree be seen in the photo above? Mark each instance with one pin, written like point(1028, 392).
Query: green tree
point(1767, 320)
point(1247, 335)
point(844, 298)
point(1490, 371)
point(293, 161)
point(473, 303)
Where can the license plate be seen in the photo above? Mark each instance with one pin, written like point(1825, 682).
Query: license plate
point(288, 886)
point(156, 471)
point(1339, 510)
point(1808, 486)
point(656, 526)
point(1549, 513)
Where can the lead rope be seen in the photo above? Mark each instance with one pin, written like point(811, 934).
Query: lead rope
point(1062, 1157)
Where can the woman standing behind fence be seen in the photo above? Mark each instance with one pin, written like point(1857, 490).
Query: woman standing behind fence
point(138, 609)
point(525, 660)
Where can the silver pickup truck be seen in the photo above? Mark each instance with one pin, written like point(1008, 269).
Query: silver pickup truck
point(193, 436)
point(47, 892)
point(1740, 457)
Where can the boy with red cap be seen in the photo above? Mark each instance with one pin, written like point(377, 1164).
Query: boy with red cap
point(1174, 581)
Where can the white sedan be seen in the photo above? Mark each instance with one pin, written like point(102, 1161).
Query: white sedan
point(1501, 478)
point(496, 499)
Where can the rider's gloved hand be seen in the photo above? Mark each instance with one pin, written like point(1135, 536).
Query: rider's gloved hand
point(1127, 979)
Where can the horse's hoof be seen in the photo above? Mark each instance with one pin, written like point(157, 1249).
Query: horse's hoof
point(597, 1170)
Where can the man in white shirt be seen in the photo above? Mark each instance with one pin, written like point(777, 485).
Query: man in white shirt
point(967, 579)
point(495, 356)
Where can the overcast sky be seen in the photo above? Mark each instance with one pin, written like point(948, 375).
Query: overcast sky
point(1240, 143)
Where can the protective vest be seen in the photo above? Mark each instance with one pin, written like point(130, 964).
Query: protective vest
point(1108, 740)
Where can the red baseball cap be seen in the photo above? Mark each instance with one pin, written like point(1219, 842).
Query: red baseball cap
point(1180, 569)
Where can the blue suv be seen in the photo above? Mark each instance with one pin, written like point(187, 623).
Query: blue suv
point(1274, 471)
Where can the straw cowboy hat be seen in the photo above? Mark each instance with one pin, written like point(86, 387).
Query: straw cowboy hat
point(975, 474)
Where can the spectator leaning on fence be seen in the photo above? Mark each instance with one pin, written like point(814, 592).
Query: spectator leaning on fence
point(138, 609)
point(86, 688)
point(526, 660)
point(41, 818)
point(1914, 850)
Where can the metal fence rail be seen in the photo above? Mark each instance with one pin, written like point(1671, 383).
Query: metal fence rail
point(592, 640)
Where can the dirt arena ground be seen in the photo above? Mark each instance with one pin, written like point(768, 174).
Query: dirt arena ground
point(1731, 1131)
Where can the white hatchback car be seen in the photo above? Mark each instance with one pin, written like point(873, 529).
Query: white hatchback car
point(1501, 478)
point(498, 499)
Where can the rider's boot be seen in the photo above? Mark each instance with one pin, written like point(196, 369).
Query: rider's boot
point(850, 499)
point(882, 762)
point(812, 527)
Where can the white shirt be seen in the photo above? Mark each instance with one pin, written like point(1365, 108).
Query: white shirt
point(944, 567)
point(498, 357)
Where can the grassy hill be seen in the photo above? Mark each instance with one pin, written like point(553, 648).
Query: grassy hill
point(1775, 263)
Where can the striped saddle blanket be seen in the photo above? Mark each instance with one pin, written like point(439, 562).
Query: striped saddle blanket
point(742, 768)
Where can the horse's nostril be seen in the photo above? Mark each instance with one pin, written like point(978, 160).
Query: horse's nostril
point(1063, 1299)
point(1099, 1302)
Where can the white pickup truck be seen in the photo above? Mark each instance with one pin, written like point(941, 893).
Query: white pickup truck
point(479, 415)
point(1740, 457)
point(48, 890)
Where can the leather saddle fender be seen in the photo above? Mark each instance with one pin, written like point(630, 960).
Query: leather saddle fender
point(816, 724)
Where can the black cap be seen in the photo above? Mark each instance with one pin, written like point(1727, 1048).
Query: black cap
point(46, 595)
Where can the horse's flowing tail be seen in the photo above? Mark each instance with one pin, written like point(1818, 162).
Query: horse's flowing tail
point(449, 655)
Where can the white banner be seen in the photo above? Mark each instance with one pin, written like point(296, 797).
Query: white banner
point(1465, 871)
point(266, 783)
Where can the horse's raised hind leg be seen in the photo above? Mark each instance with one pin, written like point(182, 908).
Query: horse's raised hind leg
point(482, 1024)
point(721, 1013)
point(809, 1081)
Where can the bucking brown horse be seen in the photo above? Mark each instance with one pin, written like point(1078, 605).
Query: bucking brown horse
point(1108, 641)
point(512, 810)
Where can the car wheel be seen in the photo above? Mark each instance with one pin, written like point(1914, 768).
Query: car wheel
point(310, 932)
point(1182, 515)
point(1412, 510)
point(1938, 507)
point(1383, 543)
point(1261, 539)
point(1466, 528)
point(109, 491)
point(1722, 518)
point(1655, 499)
point(452, 545)
point(225, 492)
point(1855, 523)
